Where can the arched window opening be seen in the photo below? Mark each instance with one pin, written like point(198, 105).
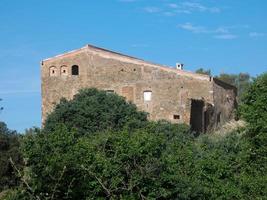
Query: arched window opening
point(64, 70)
point(147, 95)
point(75, 70)
point(53, 71)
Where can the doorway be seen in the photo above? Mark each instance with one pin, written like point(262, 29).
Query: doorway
point(197, 115)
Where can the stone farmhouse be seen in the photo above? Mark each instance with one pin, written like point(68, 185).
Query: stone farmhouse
point(168, 93)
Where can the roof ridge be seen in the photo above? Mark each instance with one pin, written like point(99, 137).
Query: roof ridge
point(117, 55)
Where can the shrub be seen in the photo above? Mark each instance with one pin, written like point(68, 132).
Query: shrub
point(254, 108)
point(111, 164)
point(92, 110)
point(9, 148)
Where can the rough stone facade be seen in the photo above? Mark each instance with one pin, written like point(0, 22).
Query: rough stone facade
point(164, 92)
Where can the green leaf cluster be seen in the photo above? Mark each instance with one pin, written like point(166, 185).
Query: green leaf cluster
point(9, 148)
point(92, 110)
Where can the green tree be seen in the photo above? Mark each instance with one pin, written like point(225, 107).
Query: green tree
point(155, 161)
point(254, 110)
point(9, 148)
point(241, 81)
point(92, 110)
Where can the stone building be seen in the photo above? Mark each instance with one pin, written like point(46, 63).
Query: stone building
point(164, 92)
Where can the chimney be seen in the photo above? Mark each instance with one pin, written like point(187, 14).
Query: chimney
point(179, 66)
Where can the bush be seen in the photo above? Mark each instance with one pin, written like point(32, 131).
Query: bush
point(254, 111)
point(132, 158)
point(92, 110)
point(111, 164)
point(254, 106)
point(9, 148)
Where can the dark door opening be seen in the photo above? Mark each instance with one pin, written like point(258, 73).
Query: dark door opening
point(197, 116)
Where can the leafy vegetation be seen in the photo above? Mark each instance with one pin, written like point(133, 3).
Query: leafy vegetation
point(138, 159)
point(92, 110)
point(9, 148)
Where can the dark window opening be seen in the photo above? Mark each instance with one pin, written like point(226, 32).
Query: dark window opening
point(176, 116)
point(64, 71)
point(75, 70)
point(53, 71)
point(110, 91)
point(196, 116)
point(134, 69)
point(218, 118)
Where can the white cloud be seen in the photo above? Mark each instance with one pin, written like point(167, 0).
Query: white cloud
point(189, 7)
point(169, 14)
point(226, 36)
point(173, 5)
point(222, 32)
point(256, 34)
point(152, 9)
point(192, 28)
point(186, 7)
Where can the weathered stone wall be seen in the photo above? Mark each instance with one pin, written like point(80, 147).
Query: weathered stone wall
point(224, 102)
point(172, 89)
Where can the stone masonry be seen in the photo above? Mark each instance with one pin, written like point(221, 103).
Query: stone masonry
point(164, 92)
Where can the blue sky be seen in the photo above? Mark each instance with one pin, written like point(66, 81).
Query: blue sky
point(222, 35)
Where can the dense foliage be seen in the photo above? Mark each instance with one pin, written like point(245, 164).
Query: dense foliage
point(92, 110)
point(9, 148)
point(144, 160)
point(254, 106)
point(254, 111)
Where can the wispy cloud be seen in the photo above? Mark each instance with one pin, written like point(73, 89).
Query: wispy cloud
point(226, 36)
point(152, 9)
point(189, 7)
point(173, 5)
point(193, 28)
point(172, 9)
point(256, 34)
point(221, 32)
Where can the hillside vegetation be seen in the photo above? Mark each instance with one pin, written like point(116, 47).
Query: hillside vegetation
point(97, 146)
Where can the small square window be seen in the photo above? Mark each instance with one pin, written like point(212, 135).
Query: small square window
point(176, 116)
point(147, 95)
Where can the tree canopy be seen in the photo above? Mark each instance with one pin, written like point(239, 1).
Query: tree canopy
point(73, 158)
point(92, 110)
point(9, 148)
point(241, 81)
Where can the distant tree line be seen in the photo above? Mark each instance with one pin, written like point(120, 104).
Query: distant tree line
point(241, 81)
